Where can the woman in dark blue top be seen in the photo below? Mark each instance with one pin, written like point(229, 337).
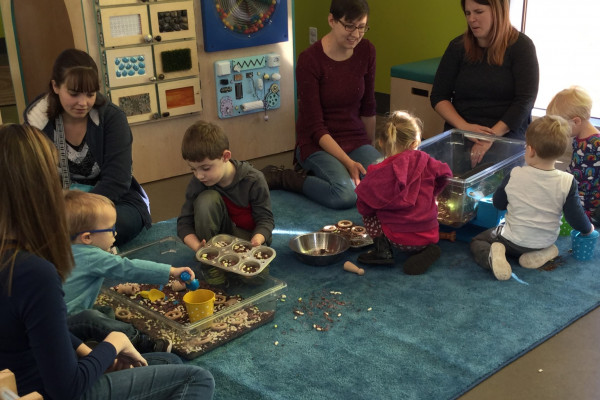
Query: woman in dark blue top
point(93, 138)
point(35, 257)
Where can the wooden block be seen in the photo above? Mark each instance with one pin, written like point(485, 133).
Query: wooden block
point(7, 380)
point(7, 92)
point(32, 396)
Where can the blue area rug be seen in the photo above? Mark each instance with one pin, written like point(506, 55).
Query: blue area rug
point(388, 335)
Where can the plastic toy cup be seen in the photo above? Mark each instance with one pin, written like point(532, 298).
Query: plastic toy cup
point(583, 246)
point(199, 304)
point(565, 228)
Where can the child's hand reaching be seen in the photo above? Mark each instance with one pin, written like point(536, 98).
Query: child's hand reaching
point(193, 242)
point(257, 240)
point(177, 271)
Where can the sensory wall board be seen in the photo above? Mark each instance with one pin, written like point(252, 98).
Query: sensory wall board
point(149, 57)
point(248, 85)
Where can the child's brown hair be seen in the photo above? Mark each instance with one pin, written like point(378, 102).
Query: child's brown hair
point(203, 140)
point(84, 210)
point(402, 131)
point(549, 136)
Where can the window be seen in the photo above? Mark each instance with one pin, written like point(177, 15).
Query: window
point(567, 40)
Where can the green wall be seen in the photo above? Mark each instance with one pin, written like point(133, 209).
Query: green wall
point(1, 26)
point(401, 30)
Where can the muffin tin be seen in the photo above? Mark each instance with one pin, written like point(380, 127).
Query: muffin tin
point(356, 235)
point(236, 255)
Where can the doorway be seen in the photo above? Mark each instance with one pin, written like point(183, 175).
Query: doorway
point(34, 34)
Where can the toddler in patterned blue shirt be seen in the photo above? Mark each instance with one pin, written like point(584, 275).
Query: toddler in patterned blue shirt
point(575, 105)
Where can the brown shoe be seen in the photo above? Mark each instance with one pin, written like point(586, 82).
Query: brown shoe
point(279, 178)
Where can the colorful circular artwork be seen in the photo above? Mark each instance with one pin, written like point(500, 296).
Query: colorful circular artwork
point(245, 16)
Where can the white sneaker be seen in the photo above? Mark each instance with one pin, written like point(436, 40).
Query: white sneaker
point(497, 258)
point(535, 259)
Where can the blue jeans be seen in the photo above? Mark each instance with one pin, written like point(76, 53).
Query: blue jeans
point(165, 377)
point(329, 183)
point(95, 325)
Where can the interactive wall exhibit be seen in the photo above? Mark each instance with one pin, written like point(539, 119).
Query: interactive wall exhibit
point(150, 55)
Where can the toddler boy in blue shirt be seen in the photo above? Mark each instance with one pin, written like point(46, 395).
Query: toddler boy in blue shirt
point(91, 219)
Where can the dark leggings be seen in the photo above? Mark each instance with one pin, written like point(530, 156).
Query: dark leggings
point(129, 223)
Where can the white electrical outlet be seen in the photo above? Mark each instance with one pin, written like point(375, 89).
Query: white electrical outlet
point(312, 35)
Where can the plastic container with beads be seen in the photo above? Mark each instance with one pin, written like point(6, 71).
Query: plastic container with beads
point(238, 309)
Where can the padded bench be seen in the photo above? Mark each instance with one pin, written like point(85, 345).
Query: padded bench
point(410, 90)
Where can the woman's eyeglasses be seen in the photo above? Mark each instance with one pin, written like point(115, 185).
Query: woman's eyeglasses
point(351, 27)
point(113, 230)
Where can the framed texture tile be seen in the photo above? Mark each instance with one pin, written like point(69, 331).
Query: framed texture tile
point(129, 66)
point(123, 26)
point(179, 97)
point(139, 102)
point(176, 59)
point(170, 21)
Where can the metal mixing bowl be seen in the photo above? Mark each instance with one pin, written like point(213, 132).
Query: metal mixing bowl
point(319, 248)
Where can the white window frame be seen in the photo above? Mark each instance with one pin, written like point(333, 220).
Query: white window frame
point(518, 17)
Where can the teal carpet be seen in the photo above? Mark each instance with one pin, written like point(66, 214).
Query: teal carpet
point(387, 335)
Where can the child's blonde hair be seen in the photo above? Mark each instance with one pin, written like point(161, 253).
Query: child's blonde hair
point(401, 132)
point(84, 210)
point(549, 136)
point(570, 103)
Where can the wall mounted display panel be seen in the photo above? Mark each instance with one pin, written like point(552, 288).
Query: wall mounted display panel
point(234, 24)
point(104, 3)
point(139, 103)
point(171, 21)
point(247, 85)
point(129, 66)
point(179, 97)
point(176, 59)
point(122, 26)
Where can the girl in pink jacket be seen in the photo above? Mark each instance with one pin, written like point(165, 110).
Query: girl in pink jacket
point(397, 197)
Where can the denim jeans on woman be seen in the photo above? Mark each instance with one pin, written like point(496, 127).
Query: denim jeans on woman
point(165, 377)
point(329, 182)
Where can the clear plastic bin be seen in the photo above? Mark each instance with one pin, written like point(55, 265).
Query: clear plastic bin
point(457, 204)
point(256, 306)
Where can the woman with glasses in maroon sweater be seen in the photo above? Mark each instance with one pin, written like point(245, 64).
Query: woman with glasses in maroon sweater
point(336, 111)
